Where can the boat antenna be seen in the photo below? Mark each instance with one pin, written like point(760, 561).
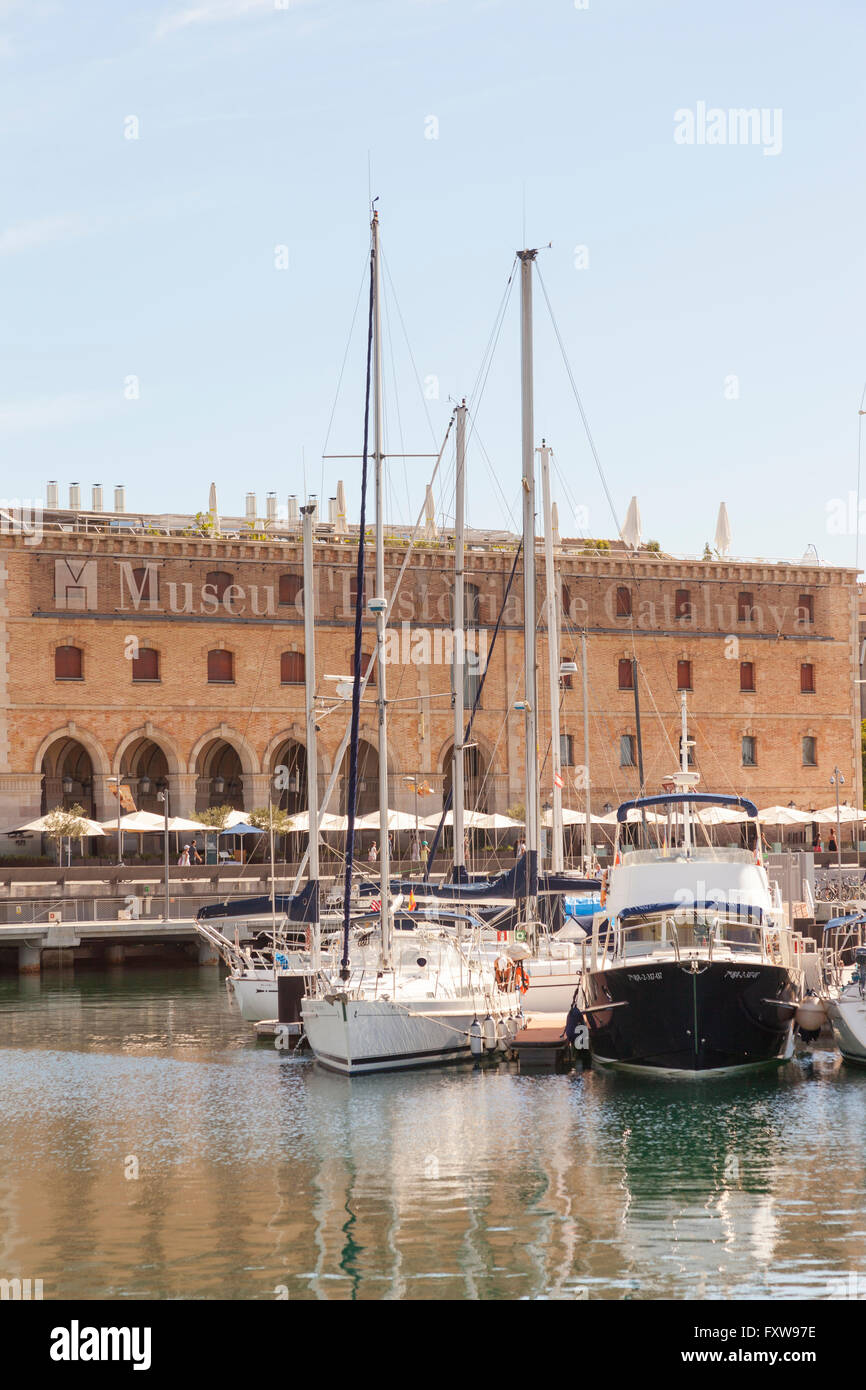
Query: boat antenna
point(352, 794)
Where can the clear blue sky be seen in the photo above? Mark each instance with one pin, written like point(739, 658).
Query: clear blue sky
point(154, 257)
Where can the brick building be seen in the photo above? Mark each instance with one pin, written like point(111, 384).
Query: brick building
point(141, 647)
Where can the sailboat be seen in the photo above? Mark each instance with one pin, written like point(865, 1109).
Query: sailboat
point(438, 998)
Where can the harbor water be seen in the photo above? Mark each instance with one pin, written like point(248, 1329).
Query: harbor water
point(152, 1149)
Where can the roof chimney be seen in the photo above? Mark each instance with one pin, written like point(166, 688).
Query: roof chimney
point(96, 497)
point(271, 506)
point(293, 513)
point(332, 510)
point(52, 496)
point(74, 497)
point(120, 498)
point(251, 506)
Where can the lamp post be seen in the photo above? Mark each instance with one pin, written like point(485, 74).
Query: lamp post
point(837, 781)
point(162, 795)
point(115, 781)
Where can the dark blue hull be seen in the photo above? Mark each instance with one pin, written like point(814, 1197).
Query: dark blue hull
point(662, 1016)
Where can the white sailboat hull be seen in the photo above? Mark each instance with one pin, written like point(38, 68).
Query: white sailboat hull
point(255, 997)
point(549, 992)
point(360, 1036)
point(847, 1015)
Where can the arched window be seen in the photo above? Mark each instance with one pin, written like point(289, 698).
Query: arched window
point(145, 666)
point(220, 667)
point(67, 664)
point(290, 586)
point(292, 668)
point(220, 581)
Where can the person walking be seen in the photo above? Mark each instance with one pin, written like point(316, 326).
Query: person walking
point(184, 856)
point(373, 853)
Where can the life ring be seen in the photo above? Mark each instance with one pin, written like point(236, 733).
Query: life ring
point(521, 977)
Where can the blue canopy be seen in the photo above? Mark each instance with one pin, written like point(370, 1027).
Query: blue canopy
point(242, 828)
point(839, 923)
point(676, 798)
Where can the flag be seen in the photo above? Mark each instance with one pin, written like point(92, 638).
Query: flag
point(376, 905)
point(127, 800)
point(411, 905)
point(557, 779)
point(502, 936)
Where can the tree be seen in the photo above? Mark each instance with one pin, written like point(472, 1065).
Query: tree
point(214, 818)
point(266, 816)
point(62, 824)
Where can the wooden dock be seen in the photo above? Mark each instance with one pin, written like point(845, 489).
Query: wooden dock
point(542, 1043)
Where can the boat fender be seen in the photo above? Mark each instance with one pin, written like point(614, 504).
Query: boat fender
point(574, 1021)
point(810, 1015)
point(488, 1033)
point(476, 1042)
point(502, 1038)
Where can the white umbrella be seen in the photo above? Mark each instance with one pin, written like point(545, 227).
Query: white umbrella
point(847, 815)
point(341, 528)
point(787, 815)
point(633, 815)
point(137, 823)
point(327, 823)
point(631, 530)
point(720, 815)
point(38, 827)
point(472, 820)
point(723, 531)
point(431, 530)
point(397, 820)
point(570, 817)
point(180, 823)
point(213, 509)
point(494, 821)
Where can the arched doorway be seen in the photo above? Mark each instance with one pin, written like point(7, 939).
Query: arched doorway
point(144, 767)
point(219, 775)
point(368, 780)
point(289, 777)
point(475, 783)
point(67, 777)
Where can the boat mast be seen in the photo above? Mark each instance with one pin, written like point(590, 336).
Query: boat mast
point(526, 259)
point(459, 655)
point(557, 860)
point(379, 607)
point(310, 712)
point(587, 829)
point(684, 767)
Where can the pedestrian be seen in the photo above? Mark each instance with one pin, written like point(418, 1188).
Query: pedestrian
point(832, 843)
point(372, 853)
point(425, 856)
point(195, 857)
point(184, 856)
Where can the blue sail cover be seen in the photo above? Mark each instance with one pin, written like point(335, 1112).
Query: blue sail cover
point(677, 798)
point(302, 907)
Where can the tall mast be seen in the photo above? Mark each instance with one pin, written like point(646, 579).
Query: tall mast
point(557, 860)
point(587, 828)
point(379, 606)
point(310, 712)
point(529, 676)
point(684, 767)
point(459, 659)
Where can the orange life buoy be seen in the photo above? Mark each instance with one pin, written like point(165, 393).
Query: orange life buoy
point(521, 977)
point(502, 972)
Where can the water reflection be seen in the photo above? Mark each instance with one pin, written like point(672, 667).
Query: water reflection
point(259, 1173)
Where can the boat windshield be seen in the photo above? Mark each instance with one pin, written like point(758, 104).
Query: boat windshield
point(688, 930)
point(717, 854)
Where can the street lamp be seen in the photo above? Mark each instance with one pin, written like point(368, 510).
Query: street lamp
point(162, 795)
point(115, 781)
point(837, 781)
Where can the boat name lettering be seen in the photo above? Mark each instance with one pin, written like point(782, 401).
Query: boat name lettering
point(646, 975)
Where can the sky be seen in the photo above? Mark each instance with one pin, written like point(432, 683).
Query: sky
point(184, 226)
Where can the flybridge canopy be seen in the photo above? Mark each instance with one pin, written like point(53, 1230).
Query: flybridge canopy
point(707, 905)
point(840, 923)
point(675, 798)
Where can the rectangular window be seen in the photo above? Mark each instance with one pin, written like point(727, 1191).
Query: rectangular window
point(566, 750)
point(747, 675)
point(626, 673)
point(805, 609)
point(145, 666)
point(623, 601)
point(750, 751)
point(744, 607)
point(684, 675)
point(67, 664)
point(627, 750)
point(220, 667)
point(682, 604)
point(807, 678)
point(810, 751)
